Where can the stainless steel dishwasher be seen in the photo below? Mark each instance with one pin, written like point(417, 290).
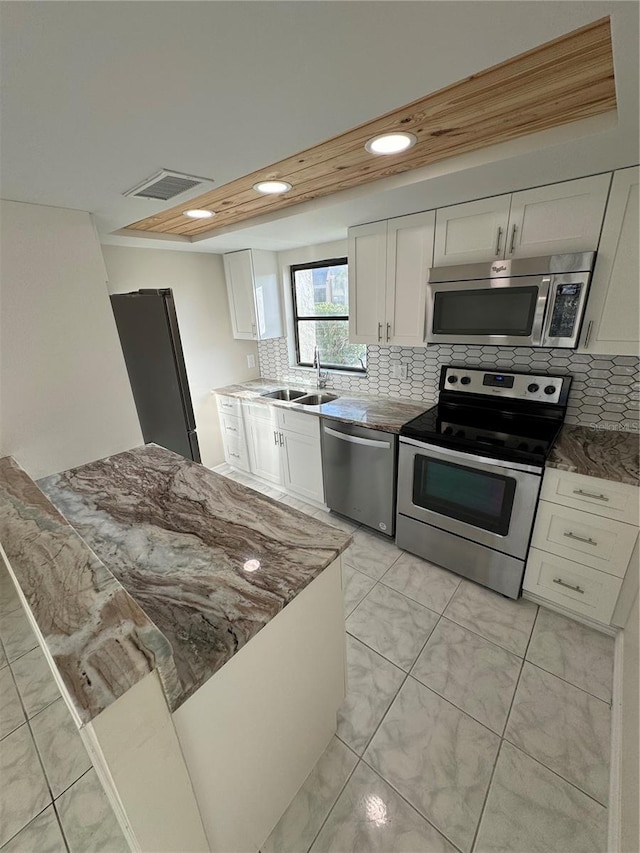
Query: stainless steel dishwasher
point(360, 469)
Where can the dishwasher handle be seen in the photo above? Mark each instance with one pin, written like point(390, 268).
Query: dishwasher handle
point(354, 439)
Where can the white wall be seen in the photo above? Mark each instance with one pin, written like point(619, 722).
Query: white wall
point(64, 392)
point(212, 357)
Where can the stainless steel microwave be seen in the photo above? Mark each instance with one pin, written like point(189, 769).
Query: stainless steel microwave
point(529, 302)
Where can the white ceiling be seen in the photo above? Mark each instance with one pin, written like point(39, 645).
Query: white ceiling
point(99, 95)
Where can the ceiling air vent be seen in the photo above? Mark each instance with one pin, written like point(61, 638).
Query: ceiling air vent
point(165, 185)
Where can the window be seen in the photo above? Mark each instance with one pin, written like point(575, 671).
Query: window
point(321, 316)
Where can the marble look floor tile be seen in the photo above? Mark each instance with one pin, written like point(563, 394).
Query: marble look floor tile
point(23, 788)
point(370, 817)
point(438, 758)
point(578, 654)
point(17, 634)
point(35, 682)
point(355, 586)
point(87, 819)
point(564, 728)
point(60, 746)
point(501, 620)
point(42, 835)
point(531, 809)
point(392, 624)
point(476, 675)
point(11, 713)
point(425, 583)
point(300, 823)
point(371, 554)
point(338, 521)
point(372, 683)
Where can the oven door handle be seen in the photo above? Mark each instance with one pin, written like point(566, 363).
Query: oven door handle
point(461, 456)
point(354, 439)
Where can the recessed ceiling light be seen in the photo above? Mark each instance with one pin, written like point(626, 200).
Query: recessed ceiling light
point(391, 143)
point(199, 214)
point(272, 187)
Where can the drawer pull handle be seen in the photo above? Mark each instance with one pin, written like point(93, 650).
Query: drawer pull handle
point(568, 586)
point(275, 438)
point(498, 242)
point(235, 455)
point(586, 539)
point(232, 429)
point(590, 495)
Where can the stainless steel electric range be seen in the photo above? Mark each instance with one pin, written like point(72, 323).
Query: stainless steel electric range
point(470, 471)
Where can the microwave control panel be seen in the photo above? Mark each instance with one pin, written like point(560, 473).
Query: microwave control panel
point(493, 383)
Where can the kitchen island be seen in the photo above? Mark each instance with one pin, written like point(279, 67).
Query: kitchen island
point(236, 660)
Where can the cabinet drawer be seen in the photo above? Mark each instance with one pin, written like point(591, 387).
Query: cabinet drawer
point(229, 406)
point(232, 428)
point(303, 423)
point(578, 588)
point(236, 453)
point(259, 411)
point(594, 541)
point(601, 497)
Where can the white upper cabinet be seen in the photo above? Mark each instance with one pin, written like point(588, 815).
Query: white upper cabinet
point(388, 268)
point(472, 232)
point(612, 318)
point(253, 288)
point(367, 282)
point(409, 256)
point(549, 220)
point(556, 219)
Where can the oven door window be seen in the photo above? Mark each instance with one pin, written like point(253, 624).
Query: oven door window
point(485, 311)
point(476, 497)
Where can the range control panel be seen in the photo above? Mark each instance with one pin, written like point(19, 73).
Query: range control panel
point(520, 386)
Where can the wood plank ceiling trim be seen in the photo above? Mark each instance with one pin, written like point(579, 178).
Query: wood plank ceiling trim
point(562, 81)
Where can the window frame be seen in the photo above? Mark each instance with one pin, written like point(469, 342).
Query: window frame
point(310, 265)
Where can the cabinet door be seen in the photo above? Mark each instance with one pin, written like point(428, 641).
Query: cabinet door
point(264, 449)
point(267, 295)
point(409, 256)
point(238, 270)
point(302, 466)
point(611, 323)
point(475, 231)
point(564, 217)
point(367, 282)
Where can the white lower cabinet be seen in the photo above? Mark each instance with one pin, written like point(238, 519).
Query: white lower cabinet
point(583, 540)
point(284, 449)
point(233, 433)
point(263, 440)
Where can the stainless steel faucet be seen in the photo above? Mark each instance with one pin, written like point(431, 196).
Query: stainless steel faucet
point(321, 375)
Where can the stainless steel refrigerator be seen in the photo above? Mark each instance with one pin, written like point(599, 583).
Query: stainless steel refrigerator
point(150, 339)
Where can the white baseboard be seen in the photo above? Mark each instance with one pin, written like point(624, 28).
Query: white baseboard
point(613, 845)
point(564, 611)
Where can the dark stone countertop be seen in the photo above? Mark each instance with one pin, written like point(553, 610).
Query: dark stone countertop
point(608, 454)
point(387, 414)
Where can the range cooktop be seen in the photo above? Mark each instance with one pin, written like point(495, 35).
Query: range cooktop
point(510, 416)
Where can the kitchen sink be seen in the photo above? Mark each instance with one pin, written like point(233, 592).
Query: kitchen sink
point(316, 399)
point(287, 394)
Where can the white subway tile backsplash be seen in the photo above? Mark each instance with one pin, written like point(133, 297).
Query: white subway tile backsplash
point(604, 389)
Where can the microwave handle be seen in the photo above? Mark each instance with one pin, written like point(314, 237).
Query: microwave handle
point(540, 315)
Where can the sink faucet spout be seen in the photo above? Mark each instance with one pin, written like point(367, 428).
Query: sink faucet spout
point(321, 375)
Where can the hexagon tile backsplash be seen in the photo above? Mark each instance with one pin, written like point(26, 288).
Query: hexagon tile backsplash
point(604, 392)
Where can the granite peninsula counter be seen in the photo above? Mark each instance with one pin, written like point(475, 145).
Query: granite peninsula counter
point(210, 561)
point(197, 628)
